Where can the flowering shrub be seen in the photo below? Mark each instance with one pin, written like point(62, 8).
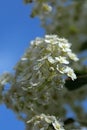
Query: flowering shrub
point(33, 88)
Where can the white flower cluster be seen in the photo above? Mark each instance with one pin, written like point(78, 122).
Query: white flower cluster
point(49, 60)
point(44, 122)
point(45, 9)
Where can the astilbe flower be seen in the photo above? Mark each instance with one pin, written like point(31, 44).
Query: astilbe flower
point(49, 59)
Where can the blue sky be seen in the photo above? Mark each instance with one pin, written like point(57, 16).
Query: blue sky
point(16, 30)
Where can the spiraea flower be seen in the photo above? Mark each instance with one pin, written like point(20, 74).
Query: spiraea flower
point(45, 122)
point(49, 60)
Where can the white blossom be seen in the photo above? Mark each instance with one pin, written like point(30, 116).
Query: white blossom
point(49, 120)
point(72, 56)
point(51, 60)
point(67, 70)
point(61, 60)
point(51, 39)
point(46, 7)
point(64, 46)
point(50, 56)
point(70, 73)
point(57, 125)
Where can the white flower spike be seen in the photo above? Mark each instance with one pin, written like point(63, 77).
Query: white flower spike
point(49, 60)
